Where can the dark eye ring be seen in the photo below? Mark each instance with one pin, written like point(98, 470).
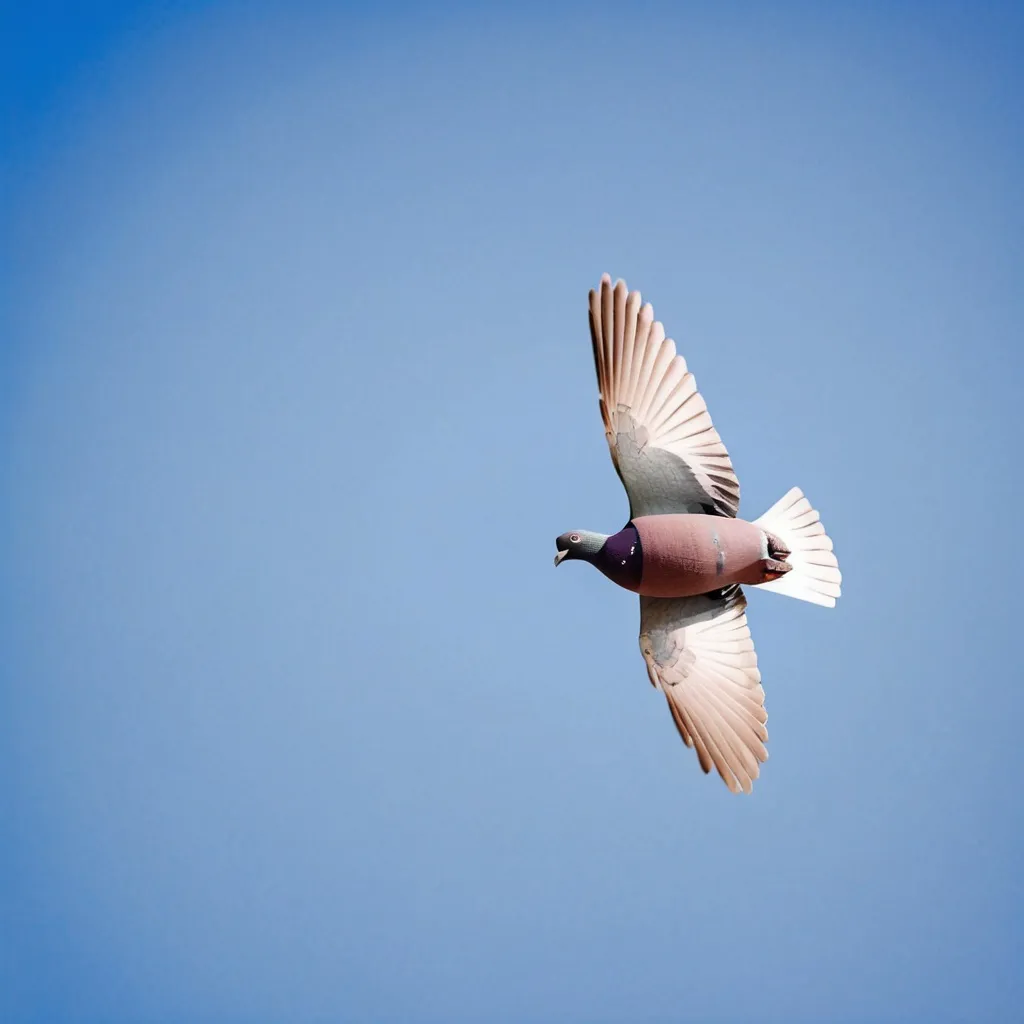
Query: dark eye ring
point(574, 538)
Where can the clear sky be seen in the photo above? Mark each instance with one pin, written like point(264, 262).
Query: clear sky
point(297, 720)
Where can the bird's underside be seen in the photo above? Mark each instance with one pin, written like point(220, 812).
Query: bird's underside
point(690, 553)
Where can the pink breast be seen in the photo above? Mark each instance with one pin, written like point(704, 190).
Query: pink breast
point(692, 554)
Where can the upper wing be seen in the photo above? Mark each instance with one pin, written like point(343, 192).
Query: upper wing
point(699, 654)
point(664, 446)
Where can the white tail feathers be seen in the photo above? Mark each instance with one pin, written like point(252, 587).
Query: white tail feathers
point(815, 575)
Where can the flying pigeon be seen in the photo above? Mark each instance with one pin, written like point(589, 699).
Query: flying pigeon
point(684, 551)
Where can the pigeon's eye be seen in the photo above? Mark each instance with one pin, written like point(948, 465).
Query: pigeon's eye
point(574, 538)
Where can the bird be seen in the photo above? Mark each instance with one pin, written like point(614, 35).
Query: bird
point(684, 550)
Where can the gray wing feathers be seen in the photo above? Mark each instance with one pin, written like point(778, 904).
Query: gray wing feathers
point(663, 443)
point(699, 653)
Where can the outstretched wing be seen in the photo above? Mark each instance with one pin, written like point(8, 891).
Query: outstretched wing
point(699, 654)
point(666, 450)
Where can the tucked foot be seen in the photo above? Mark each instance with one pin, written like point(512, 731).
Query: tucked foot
point(774, 569)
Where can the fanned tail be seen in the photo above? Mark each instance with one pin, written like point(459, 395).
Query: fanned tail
point(815, 575)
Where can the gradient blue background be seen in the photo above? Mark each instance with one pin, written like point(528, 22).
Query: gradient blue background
point(297, 721)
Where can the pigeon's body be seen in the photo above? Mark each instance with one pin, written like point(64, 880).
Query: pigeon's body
point(683, 550)
point(677, 555)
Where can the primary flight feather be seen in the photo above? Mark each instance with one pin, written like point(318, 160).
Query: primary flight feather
point(684, 551)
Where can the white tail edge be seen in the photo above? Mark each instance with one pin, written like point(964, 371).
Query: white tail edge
point(815, 575)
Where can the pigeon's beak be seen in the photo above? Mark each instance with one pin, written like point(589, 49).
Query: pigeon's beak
point(560, 556)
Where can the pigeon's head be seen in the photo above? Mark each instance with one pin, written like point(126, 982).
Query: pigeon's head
point(578, 544)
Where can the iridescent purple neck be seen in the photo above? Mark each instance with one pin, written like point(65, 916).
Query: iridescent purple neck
point(621, 559)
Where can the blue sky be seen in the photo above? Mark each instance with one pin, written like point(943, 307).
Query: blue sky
point(297, 721)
